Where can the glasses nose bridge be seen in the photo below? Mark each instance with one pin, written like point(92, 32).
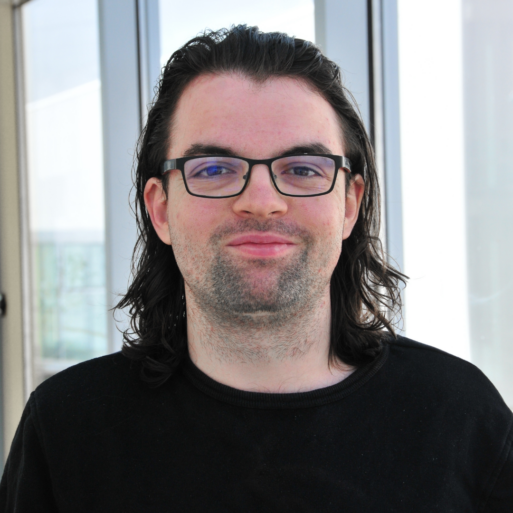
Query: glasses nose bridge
point(265, 162)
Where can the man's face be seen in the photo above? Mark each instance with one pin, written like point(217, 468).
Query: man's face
point(259, 252)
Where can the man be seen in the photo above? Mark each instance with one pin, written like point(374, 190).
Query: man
point(262, 373)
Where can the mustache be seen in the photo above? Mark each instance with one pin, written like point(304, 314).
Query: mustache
point(279, 226)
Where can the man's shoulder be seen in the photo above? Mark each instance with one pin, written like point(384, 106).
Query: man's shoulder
point(431, 361)
point(108, 379)
point(107, 371)
point(430, 373)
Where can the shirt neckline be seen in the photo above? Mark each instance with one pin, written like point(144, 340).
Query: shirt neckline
point(262, 400)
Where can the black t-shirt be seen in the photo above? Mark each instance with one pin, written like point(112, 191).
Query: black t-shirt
point(416, 431)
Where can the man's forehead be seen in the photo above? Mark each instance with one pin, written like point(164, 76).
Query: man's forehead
point(236, 113)
point(214, 82)
point(235, 97)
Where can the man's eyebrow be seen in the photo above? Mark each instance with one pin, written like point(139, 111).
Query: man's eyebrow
point(211, 149)
point(208, 149)
point(305, 148)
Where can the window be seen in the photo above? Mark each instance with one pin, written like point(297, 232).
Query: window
point(65, 181)
point(180, 21)
point(456, 101)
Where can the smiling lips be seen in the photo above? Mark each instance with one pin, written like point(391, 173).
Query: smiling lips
point(261, 245)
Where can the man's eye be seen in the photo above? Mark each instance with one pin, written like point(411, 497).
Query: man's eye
point(301, 171)
point(211, 171)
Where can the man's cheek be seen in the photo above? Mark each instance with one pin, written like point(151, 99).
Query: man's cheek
point(193, 225)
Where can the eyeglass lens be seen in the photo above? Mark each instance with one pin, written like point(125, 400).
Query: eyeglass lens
point(302, 175)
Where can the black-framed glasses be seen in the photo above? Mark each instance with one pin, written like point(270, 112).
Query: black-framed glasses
point(221, 176)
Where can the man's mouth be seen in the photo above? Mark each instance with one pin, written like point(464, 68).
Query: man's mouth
point(261, 245)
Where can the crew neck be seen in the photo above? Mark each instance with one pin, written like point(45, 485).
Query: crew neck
point(278, 401)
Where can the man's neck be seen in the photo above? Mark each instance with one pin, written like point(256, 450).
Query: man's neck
point(291, 357)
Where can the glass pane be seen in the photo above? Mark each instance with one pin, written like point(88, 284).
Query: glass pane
point(181, 21)
point(457, 148)
point(65, 174)
point(488, 94)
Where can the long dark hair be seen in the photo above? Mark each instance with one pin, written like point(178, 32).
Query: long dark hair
point(365, 292)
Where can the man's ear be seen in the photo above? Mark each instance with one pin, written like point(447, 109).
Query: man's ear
point(354, 195)
point(156, 204)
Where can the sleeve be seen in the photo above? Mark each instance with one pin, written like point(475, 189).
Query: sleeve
point(26, 485)
point(501, 496)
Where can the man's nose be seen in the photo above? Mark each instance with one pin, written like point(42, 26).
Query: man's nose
point(260, 197)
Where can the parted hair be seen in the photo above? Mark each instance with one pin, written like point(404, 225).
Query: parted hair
point(365, 288)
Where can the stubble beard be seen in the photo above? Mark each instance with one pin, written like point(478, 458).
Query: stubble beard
point(259, 293)
point(259, 309)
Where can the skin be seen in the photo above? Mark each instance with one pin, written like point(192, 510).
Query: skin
point(278, 340)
